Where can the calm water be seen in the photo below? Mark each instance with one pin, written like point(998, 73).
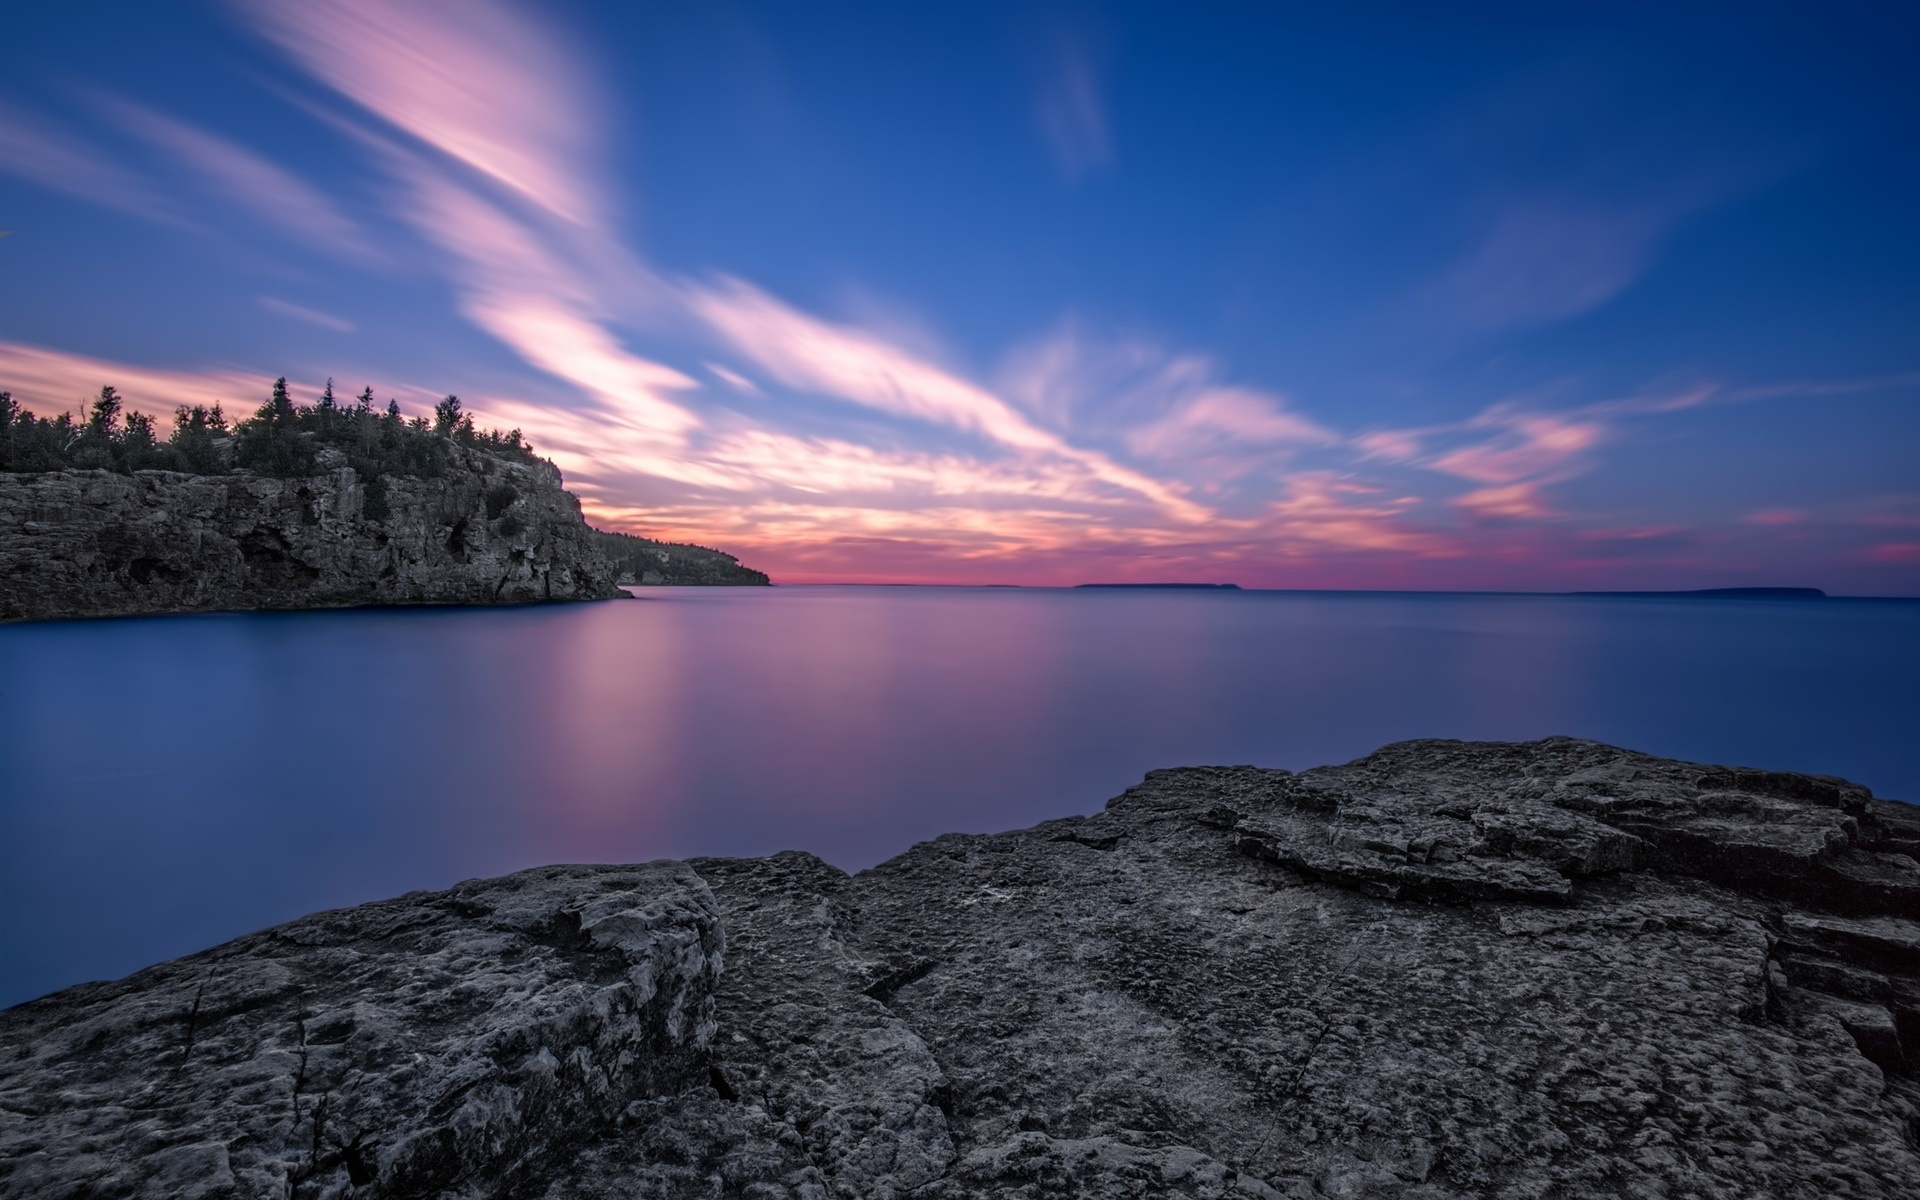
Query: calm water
point(169, 783)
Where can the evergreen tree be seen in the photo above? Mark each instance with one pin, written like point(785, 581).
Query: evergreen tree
point(272, 443)
point(97, 447)
point(104, 421)
point(280, 439)
point(446, 416)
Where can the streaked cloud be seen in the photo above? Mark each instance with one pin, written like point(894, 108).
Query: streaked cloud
point(246, 179)
point(1225, 421)
point(53, 381)
point(54, 156)
point(1544, 260)
point(475, 79)
point(1513, 502)
point(1071, 111)
point(1526, 445)
point(806, 352)
point(301, 312)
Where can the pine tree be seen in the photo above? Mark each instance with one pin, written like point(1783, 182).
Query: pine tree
point(105, 419)
point(446, 416)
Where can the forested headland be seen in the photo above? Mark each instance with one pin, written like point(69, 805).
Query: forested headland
point(285, 440)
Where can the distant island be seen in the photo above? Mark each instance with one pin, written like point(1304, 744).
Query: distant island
point(1758, 593)
point(300, 506)
point(1212, 587)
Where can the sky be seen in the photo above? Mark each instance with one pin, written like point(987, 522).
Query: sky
point(1505, 296)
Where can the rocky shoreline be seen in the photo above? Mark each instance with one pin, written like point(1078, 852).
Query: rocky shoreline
point(1447, 969)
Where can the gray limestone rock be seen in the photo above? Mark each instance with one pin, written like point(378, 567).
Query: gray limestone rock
point(490, 530)
point(1444, 970)
point(466, 1042)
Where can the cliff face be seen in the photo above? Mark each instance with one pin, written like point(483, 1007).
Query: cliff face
point(488, 531)
point(1445, 970)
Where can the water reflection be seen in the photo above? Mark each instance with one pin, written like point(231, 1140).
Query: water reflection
point(168, 783)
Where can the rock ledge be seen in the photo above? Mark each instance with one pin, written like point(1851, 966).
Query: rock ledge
point(1447, 969)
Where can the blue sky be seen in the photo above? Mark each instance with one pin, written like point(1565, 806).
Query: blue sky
point(1362, 295)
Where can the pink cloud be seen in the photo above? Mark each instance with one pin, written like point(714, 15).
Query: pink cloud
point(805, 352)
point(1225, 418)
point(1900, 553)
point(1530, 444)
point(1513, 501)
point(1319, 510)
point(1776, 517)
point(1394, 445)
point(53, 381)
point(474, 79)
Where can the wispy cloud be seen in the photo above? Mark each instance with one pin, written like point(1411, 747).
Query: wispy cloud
point(301, 312)
point(246, 179)
point(1070, 110)
point(54, 381)
point(1543, 260)
point(477, 80)
point(53, 156)
point(1172, 411)
point(552, 281)
point(806, 352)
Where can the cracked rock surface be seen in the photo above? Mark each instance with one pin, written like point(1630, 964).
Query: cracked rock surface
point(1553, 969)
point(96, 544)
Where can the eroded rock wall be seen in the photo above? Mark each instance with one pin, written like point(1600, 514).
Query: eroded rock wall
point(1555, 969)
point(489, 531)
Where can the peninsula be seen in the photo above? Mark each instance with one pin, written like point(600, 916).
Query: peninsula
point(1448, 969)
point(321, 506)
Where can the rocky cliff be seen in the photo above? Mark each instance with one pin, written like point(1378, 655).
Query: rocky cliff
point(489, 530)
point(1449, 969)
point(649, 563)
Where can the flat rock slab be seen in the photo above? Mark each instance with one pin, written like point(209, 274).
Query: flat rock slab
point(1447, 969)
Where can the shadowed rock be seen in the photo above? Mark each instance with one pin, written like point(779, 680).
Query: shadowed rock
point(1447, 969)
point(490, 531)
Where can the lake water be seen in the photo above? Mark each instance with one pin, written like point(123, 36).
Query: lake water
point(169, 783)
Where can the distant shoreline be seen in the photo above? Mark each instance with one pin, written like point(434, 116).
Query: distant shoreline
point(1738, 593)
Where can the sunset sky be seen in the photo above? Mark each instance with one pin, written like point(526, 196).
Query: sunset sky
point(1359, 295)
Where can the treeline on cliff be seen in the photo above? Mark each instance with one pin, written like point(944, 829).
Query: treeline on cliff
point(281, 439)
